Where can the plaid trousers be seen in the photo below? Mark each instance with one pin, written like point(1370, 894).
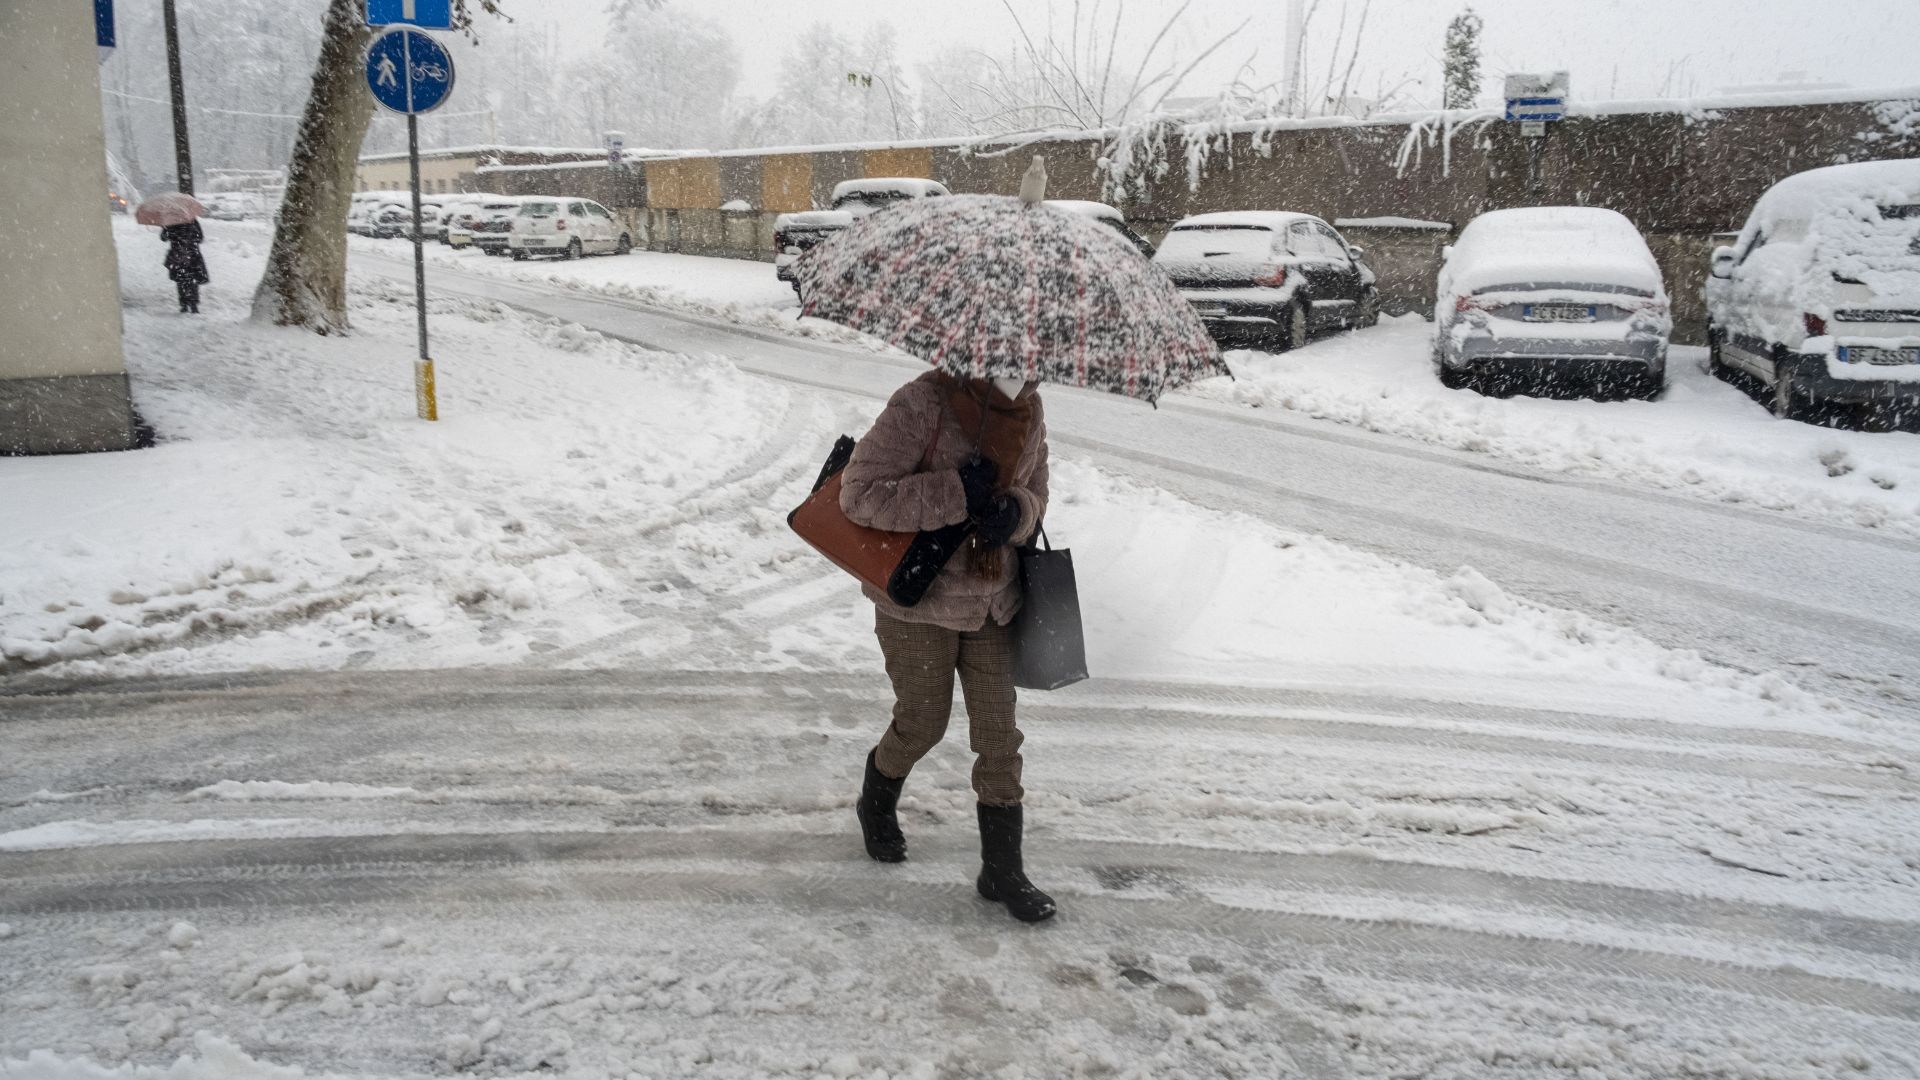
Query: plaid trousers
point(921, 661)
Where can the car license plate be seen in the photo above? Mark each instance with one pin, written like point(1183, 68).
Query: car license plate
point(1876, 354)
point(1557, 313)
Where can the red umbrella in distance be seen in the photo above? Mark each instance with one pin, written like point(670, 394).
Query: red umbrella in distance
point(169, 208)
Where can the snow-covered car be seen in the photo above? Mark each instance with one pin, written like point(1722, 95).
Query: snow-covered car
point(364, 205)
point(1105, 215)
point(1819, 298)
point(1555, 295)
point(568, 227)
point(234, 205)
point(459, 217)
point(796, 234)
point(1265, 274)
point(491, 223)
point(396, 219)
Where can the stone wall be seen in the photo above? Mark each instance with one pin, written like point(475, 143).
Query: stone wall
point(1681, 176)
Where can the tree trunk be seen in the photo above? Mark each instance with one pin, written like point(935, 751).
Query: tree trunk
point(306, 279)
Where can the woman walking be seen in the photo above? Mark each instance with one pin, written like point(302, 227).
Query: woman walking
point(944, 452)
point(184, 263)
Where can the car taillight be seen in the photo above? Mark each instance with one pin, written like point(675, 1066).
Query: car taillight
point(1274, 275)
point(561, 224)
point(1816, 326)
point(1463, 304)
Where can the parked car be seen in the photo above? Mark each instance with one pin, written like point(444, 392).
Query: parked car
point(1262, 275)
point(234, 205)
point(1561, 296)
point(460, 216)
point(796, 234)
point(117, 202)
point(396, 219)
point(492, 223)
point(364, 205)
point(568, 227)
point(1105, 215)
point(1819, 298)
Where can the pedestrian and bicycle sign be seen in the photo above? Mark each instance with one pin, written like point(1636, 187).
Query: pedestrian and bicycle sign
point(429, 14)
point(409, 72)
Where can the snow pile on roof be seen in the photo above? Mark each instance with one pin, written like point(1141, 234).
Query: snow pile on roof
point(902, 186)
point(1088, 208)
point(1573, 245)
point(485, 150)
point(737, 206)
point(1814, 239)
point(1391, 223)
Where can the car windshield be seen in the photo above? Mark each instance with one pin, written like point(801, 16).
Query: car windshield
point(1232, 242)
point(870, 198)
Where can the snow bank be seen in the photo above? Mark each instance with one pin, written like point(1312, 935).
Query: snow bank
point(1704, 439)
point(295, 511)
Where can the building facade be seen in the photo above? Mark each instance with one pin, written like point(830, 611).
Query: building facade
point(63, 377)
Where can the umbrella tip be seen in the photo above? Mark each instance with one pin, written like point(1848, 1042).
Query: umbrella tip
point(1033, 186)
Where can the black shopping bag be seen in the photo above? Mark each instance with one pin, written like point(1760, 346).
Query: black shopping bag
point(1049, 650)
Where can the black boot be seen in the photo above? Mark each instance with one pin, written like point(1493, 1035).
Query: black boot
point(878, 822)
point(1002, 877)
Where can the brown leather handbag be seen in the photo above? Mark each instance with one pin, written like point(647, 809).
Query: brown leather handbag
point(902, 565)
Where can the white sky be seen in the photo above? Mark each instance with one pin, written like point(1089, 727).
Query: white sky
point(1614, 48)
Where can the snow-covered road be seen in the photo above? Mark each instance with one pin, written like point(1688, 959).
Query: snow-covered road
point(1401, 761)
point(1755, 589)
point(634, 871)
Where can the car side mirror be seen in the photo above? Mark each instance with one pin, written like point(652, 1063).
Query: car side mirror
point(1446, 253)
point(1357, 252)
point(1722, 262)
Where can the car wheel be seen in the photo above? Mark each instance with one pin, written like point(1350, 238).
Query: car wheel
point(1296, 331)
point(520, 255)
point(1789, 400)
point(1369, 311)
point(573, 248)
point(625, 246)
point(1716, 362)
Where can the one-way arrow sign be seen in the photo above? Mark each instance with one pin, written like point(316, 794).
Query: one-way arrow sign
point(426, 14)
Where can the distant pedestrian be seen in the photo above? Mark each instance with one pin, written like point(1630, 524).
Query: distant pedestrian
point(184, 263)
point(944, 452)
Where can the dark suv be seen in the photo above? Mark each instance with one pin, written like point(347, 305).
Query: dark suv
point(1266, 275)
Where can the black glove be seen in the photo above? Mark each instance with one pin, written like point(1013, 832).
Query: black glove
point(996, 526)
point(977, 476)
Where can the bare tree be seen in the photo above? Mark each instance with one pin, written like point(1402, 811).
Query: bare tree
point(306, 279)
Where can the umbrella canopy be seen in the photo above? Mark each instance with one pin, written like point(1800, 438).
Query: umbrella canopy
point(987, 287)
point(170, 208)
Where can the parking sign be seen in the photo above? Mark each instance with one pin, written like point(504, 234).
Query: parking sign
point(427, 14)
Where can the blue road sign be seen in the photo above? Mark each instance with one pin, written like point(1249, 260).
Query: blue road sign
point(409, 72)
point(1536, 108)
point(431, 14)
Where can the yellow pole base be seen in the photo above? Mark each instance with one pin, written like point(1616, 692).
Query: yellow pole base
point(424, 400)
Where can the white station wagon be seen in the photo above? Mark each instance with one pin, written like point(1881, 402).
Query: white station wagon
point(567, 227)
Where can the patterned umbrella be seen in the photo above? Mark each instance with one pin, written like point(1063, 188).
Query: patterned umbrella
point(171, 208)
point(986, 286)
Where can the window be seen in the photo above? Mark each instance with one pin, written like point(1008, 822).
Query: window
point(576, 210)
point(1300, 239)
point(1330, 240)
point(597, 210)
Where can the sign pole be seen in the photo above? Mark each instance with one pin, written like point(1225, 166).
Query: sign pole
point(409, 72)
point(426, 401)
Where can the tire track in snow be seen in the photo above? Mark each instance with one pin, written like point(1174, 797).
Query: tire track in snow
point(812, 875)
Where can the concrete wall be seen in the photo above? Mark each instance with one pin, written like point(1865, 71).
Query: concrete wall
point(63, 380)
point(1681, 177)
